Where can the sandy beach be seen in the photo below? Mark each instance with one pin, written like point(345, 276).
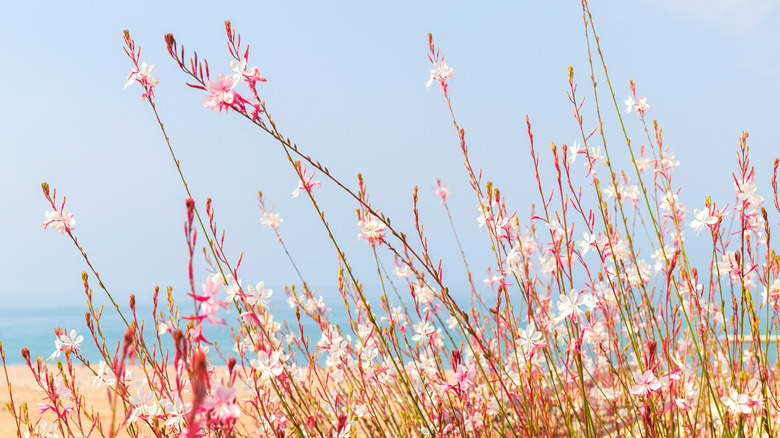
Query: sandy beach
point(25, 390)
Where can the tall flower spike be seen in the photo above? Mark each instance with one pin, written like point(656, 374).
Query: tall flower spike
point(142, 74)
point(632, 102)
point(440, 71)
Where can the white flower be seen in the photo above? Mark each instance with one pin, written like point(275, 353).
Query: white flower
point(424, 294)
point(135, 414)
point(144, 402)
point(668, 161)
point(297, 190)
point(554, 226)
point(403, 271)
point(528, 338)
point(143, 75)
point(131, 379)
point(141, 397)
point(232, 289)
point(367, 357)
point(71, 342)
point(594, 156)
point(269, 365)
point(629, 104)
point(736, 403)
point(514, 261)
point(640, 106)
point(373, 230)
point(259, 295)
point(47, 430)
point(586, 242)
point(669, 199)
point(575, 150)
point(570, 304)
point(239, 69)
point(595, 333)
point(61, 221)
point(440, 72)
point(452, 323)
point(361, 410)
point(272, 220)
point(746, 192)
point(424, 330)
point(65, 343)
point(773, 293)
point(176, 411)
point(104, 375)
point(702, 220)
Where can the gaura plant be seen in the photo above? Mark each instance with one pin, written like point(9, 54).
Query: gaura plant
point(583, 337)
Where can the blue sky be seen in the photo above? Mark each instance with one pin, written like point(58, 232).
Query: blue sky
point(347, 85)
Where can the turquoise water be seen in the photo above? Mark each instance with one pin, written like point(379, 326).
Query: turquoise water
point(34, 328)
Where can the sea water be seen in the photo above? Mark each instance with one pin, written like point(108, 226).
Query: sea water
point(34, 328)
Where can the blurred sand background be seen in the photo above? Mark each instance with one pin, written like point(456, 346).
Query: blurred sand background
point(25, 390)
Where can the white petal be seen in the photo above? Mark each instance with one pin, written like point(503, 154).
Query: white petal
point(130, 80)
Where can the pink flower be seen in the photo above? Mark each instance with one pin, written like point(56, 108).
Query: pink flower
point(209, 305)
point(222, 401)
point(682, 403)
point(461, 378)
point(441, 190)
point(645, 383)
point(252, 76)
point(269, 365)
point(305, 182)
point(197, 333)
point(222, 94)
